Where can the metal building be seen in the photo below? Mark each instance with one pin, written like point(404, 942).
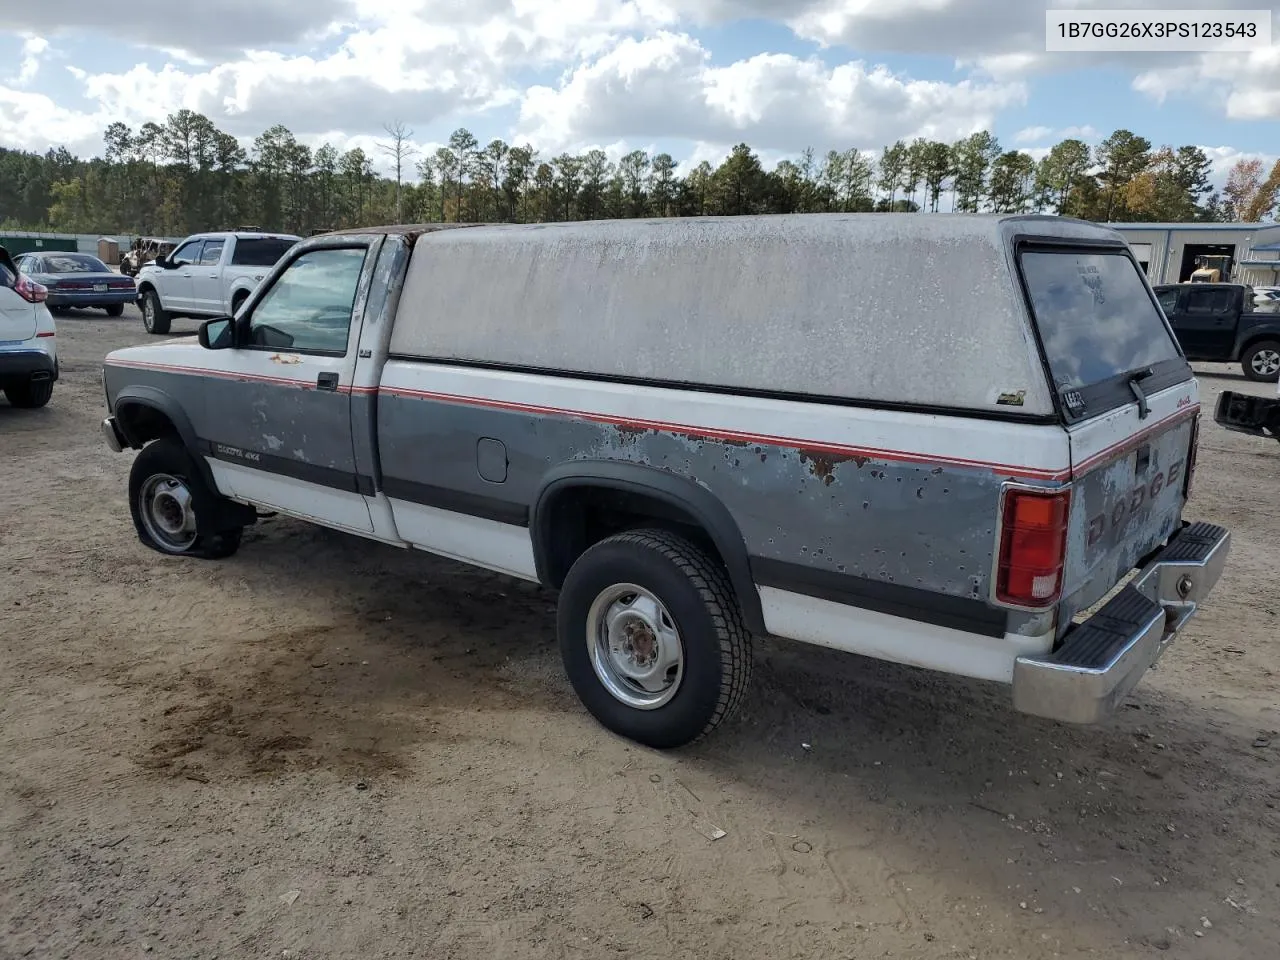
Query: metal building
point(1169, 251)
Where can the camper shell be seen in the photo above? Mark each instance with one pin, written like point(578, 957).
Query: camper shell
point(944, 457)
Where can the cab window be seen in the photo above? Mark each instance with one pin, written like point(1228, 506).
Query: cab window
point(1168, 300)
point(308, 308)
point(188, 253)
point(212, 253)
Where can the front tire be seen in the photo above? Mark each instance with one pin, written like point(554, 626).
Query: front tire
point(652, 638)
point(1261, 362)
point(29, 395)
point(154, 317)
point(114, 309)
point(173, 508)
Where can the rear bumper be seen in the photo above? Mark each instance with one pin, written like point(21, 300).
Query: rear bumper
point(27, 365)
point(1243, 413)
point(1102, 659)
point(90, 298)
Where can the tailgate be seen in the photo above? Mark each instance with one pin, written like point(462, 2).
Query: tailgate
point(1128, 480)
point(1129, 401)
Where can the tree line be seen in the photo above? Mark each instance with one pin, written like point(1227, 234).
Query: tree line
point(186, 175)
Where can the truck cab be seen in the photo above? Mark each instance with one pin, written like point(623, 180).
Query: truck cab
point(1217, 323)
point(207, 275)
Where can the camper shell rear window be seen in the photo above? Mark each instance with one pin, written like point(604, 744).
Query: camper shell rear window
point(1099, 326)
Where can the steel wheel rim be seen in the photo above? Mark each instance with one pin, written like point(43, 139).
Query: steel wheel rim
point(635, 646)
point(1266, 362)
point(167, 512)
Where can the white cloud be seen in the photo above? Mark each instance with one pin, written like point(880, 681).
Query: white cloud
point(1246, 85)
point(666, 86)
point(629, 72)
point(33, 49)
point(1032, 134)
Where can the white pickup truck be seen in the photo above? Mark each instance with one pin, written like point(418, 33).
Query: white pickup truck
point(207, 275)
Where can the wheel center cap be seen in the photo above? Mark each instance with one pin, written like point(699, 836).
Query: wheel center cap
point(640, 642)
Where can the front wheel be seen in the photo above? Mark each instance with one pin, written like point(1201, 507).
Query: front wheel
point(1261, 362)
point(652, 638)
point(173, 508)
point(154, 317)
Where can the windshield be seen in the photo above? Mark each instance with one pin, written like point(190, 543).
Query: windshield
point(72, 263)
point(262, 252)
point(1096, 319)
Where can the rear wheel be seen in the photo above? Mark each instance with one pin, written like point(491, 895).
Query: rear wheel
point(238, 301)
point(154, 317)
point(173, 508)
point(29, 395)
point(114, 309)
point(1261, 361)
point(652, 638)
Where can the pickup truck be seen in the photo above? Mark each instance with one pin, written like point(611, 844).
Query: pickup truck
point(702, 430)
point(1219, 323)
point(206, 275)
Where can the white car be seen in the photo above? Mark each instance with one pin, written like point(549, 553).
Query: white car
point(207, 275)
point(28, 343)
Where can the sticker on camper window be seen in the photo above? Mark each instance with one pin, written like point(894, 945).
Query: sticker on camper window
point(1010, 398)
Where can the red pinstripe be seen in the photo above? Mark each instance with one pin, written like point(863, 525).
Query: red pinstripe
point(705, 433)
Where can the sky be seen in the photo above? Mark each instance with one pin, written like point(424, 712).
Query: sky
point(689, 77)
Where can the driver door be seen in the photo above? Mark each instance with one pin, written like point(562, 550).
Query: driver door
point(279, 408)
point(175, 282)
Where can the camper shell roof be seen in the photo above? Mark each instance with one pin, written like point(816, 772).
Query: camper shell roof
point(918, 310)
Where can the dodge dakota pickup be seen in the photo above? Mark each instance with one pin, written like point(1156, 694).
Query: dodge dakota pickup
point(702, 430)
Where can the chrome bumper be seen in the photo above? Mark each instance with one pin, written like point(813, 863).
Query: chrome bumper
point(1102, 659)
point(111, 431)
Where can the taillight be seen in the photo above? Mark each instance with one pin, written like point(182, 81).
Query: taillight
point(1191, 456)
point(1033, 546)
point(30, 291)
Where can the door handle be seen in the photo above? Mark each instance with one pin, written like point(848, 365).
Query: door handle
point(327, 381)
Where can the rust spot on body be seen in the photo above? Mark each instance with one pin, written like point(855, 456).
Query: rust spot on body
point(823, 465)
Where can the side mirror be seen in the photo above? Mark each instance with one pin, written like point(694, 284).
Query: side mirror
point(217, 334)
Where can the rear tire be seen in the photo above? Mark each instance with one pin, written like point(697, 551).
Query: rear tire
point(114, 309)
point(677, 660)
point(29, 395)
point(172, 507)
point(1261, 362)
point(237, 302)
point(154, 317)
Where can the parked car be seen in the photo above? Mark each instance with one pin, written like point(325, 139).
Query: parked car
point(1216, 322)
point(701, 429)
point(142, 251)
point(1266, 299)
point(207, 275)
point(78, 280)
point(28, 341)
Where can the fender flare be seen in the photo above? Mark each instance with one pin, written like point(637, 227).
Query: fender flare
point(161, 402)
point(682, 493)
point(1265, 331)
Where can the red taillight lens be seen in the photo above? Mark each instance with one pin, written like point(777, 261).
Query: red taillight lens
point(1191, 456)
point(1033, 546)
point(30, 291)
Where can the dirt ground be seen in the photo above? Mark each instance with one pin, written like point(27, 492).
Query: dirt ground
point(325, 747)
